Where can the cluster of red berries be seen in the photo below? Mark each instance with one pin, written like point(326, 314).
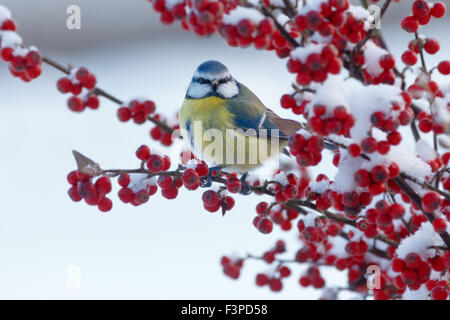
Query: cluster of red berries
point(339, 122)
point(213, 201)
point(246, 32)
point(316, 65)
point(333, 18)
point(270, 256)
point(93, 193)
point(74, 84)
point(159, 134)
point(267, 214)
point(140, 193)
point(231, 268)
point(387, 64)
point(290, 101)
point(24, 63)
point(438, 289)
point(135, 197)
point(312, 277)
point(202, 16)
point(422, 11)
point(375, 180)
point(312, 234)
point(414, 271)
point(430, 46)
point(428, 123)
point(136, 109)
point(308, 151)
point(274, 282)
point(382, 216)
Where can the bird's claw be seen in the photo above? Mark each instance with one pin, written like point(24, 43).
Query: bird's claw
point(206, 182)
point(245, 190)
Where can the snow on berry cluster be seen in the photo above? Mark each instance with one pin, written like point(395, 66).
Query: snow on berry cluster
point(24, 63)
point(80, 84)
point(244, 26)
point(201, 16)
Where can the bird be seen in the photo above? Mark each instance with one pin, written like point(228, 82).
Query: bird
point(220, 110)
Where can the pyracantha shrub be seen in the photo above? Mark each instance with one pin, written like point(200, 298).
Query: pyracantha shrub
point(367, 184)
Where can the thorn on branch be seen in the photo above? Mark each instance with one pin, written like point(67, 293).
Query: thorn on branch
point(86, 165)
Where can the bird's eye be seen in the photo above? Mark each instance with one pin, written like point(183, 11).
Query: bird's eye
point(203, 81)
point(224, 80)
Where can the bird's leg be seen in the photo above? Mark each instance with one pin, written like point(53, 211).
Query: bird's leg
point(245, 187)
point(206, 182)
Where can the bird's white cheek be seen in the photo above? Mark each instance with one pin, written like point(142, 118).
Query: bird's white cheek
point(197, 90)
point(228, 90)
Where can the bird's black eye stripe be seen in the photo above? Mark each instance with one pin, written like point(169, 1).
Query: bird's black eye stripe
point(224, 80)
point(201, 80)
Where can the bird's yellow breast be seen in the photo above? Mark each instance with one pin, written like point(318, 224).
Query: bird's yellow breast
point(198, 116)
point(210, 111)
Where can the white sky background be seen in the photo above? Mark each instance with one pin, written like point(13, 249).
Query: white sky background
point(164, 249)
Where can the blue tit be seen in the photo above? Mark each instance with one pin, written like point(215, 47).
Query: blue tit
point(220, 111)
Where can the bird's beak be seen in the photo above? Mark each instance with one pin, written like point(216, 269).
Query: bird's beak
point(215, 84)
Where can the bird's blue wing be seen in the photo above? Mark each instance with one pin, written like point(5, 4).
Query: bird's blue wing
point(250, 113)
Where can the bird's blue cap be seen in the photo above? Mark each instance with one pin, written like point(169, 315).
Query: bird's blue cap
point(212, 66)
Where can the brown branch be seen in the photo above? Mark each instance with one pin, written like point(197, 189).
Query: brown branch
point(422, 57)
point(103, 93)
point(418, 202)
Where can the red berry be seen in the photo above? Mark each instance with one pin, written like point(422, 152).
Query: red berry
point(103, 185)
point(124, 114)
point(170, 192)
point(439, 293)
point(76, 104)
point(82, 74)
point(261, 279)
point(444, 67)
point(143, 153)
point(287, 101)
point(438, 9)
point(64, 85)
point(410, 24)
point(431, 201)
point(7, 54)
point(409, 58)
point(431, 46)
point(210, 198)
point(420, 8)
point(105, 205)
point(265, 225)
point(155, 163)
point(369, 145)
point(412, 260)
point(190, 178)
point(8, 25)
point(126, 195)
point(275, 285)
point(124, 180)
point(234, 185)
point(439, 225)
point(398, 265)
point(73, 194)
point(261, 207)
point(379, 174)
point(362, 178)
point(285, 272)
point(33, 58)
point(387, 62)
